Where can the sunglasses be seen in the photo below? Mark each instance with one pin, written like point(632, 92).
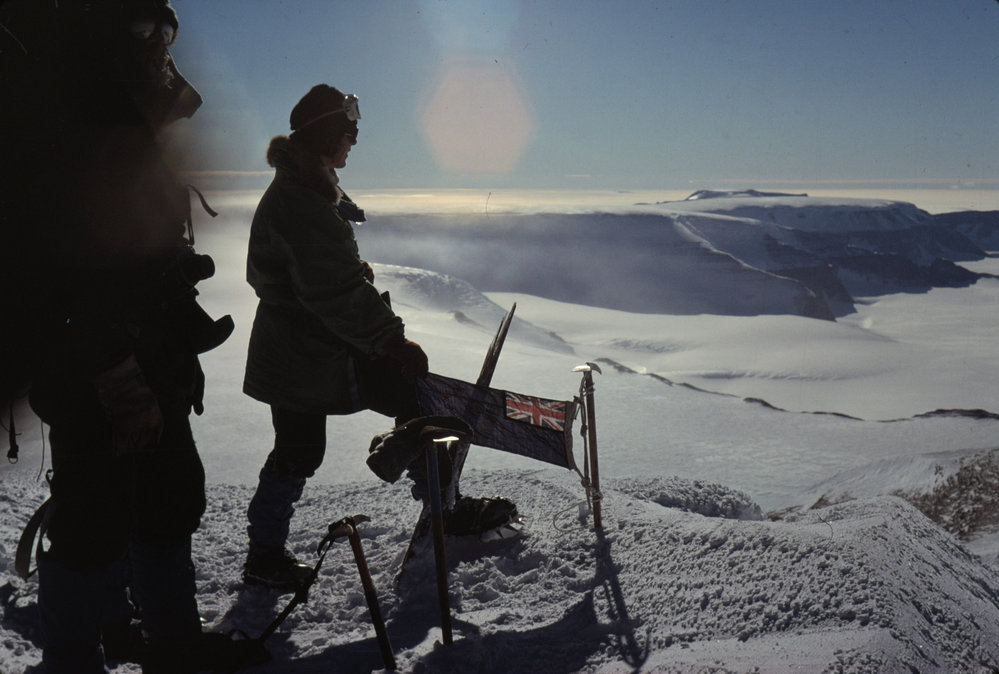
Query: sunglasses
point(148, 30)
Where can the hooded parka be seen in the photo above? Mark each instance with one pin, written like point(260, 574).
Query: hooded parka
point(317, 311)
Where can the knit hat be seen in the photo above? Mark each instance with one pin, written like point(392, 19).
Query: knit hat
point(315, 120)
point(150, 9)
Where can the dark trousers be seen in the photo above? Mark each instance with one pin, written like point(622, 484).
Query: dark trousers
point(102, 501)
point(300, 445)
point(117, 522)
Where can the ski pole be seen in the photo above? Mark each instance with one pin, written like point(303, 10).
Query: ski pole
point(350, 523)
point(437, 519)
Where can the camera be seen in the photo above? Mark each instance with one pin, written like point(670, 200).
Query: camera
point(198, 330)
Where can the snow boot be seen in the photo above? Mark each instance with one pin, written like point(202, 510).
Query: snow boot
point(471, 516)
point(276, 568)
point(69, 607)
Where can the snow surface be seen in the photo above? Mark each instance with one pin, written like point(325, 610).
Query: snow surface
point(708, 421)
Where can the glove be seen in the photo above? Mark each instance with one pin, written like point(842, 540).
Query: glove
point(367, 272)
point(409, 355)
point(130, 405)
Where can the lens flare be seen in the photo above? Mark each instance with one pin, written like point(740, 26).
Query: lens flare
point(478, 118)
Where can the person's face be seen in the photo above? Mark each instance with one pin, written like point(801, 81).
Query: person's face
point(151, 39)
point(339, 157)
point(146, 65)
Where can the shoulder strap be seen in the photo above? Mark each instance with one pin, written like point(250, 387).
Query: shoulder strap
point(36, 527)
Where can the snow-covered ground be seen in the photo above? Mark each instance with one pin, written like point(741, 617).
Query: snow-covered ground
point(707, 421)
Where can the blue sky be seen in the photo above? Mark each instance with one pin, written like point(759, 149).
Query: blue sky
point(620, 95)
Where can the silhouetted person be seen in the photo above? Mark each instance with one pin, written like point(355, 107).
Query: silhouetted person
point(108, 325)
point(324, 340)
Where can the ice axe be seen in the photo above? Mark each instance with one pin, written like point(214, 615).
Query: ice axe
point(589, 430)
point(434, 436)
point(347, 527)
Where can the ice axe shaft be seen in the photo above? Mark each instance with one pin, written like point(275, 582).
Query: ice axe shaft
point(437, 522)
point(591, 423)
point(371, 597)
point(586, 389)
point(347, 527)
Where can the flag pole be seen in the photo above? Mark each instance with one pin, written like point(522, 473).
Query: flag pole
point(591, 429)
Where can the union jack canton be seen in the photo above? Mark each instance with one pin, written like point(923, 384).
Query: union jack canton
point(536, 411)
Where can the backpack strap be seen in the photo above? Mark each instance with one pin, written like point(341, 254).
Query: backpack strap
point(190, 219)
point(35, 528)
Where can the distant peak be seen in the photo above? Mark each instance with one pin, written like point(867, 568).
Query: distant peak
point(721, 194)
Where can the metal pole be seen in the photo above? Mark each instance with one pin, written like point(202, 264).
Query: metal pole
point(591, 424)
point(345, 527)
point(437, 519)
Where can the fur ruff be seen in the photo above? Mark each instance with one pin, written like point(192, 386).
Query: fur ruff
point(306, 166)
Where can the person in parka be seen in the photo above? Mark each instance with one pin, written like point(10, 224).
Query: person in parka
point(324, 340)
point(96, 218)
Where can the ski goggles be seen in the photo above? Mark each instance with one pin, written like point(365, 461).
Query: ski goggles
point(147, 30)
point(350, 109)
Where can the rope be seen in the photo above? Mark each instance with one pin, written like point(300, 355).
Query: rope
point(561, 513)
point(591, 495)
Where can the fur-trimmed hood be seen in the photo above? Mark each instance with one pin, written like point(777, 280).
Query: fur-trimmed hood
point(305, 166)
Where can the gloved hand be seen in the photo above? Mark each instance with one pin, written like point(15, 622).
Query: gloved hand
point(130, 405)
point(409, 355)
point(368, 272)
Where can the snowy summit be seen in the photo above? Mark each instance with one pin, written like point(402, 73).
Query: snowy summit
point(796, 426)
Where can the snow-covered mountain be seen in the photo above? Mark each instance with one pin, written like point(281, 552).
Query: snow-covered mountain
point(871, 247)
point(981, 227)
point(634, 262)
point(731, 253)
point(751, 464)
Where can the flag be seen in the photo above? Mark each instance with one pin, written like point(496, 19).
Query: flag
point(537, 428)
point(536, 411)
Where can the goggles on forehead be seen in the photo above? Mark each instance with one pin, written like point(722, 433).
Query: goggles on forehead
point(350, 109)
point(147, 30)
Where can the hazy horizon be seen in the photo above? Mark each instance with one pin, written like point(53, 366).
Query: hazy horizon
point(383, 201)
point(558, 94)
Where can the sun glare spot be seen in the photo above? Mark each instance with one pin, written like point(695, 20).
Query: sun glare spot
point(478, 118)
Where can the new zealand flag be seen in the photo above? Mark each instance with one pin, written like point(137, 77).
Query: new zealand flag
point(537, 428)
